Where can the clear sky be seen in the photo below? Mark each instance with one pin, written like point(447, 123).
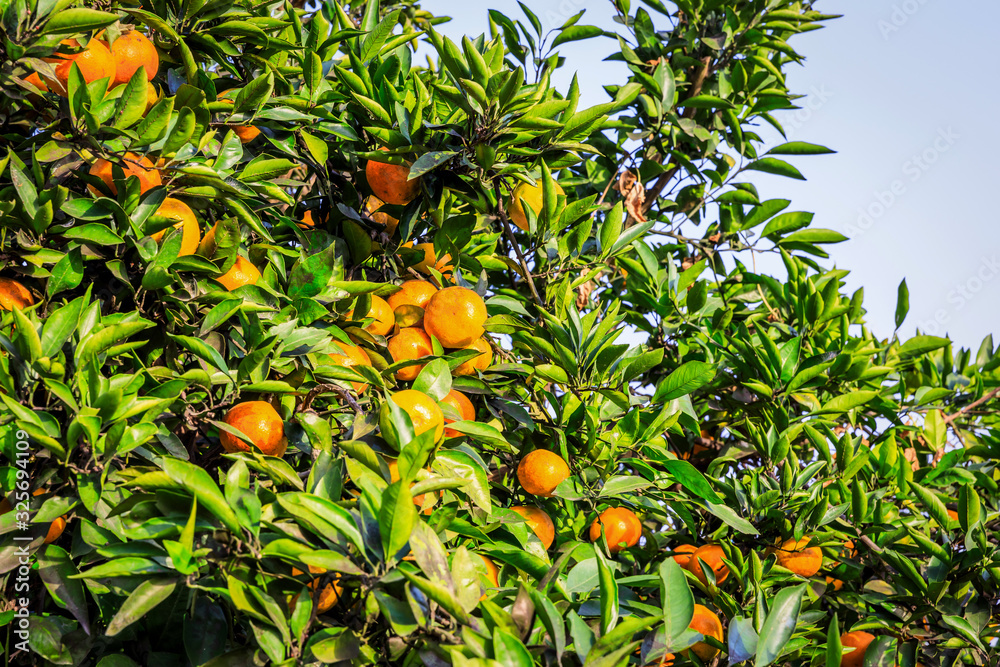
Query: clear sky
point(904, 90)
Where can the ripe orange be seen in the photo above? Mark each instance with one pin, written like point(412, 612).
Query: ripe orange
point(152, 96)
point(57, 526)
point(246, 133)
point(131, 51)
point(372, 206)
point(390, 182)
point(455, 316)
point(684, 554)
point(539, 522)
point(95, 62)
point(953, 515)
point(14, 295)
point(423, 411)
point(859, 641)
point(412, 293)
point(132, 165)
point(492, 573)
point(410, 343)
point(708, 624)
point(836, 583)
point(260, 422)
point(800, 558)
point(621, 528)
point(352, 356)
point(381, 315)
point(241, 273)
point(207, 246)
point(177, 210)
point(430, 260)
point(712, 555)
point(541, 471)
point(481, 363)
point(418, 500)
point(330, 594)
point(532, 196)
point(37, 82)
point(463, 406)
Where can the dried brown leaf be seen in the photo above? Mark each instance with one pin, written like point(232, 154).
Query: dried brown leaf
point(634, 194)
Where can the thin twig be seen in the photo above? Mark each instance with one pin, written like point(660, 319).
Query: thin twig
point(517, 249)
point(332, 388)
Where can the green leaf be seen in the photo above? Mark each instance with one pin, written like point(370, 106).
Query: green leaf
point(67, 273)
point(396, 518)
point(686, 379)
point(816, 235)
point(132, 104)
point(576, 33)
point(743, 639)
point(847, 402)
point(374, 40)
point(434, 379)
point(145, 597)
point(770, 165)
point(780, 624)
point(255, 94)
point(691, 479)
point(77, 20)
point(922, 345)
point(834, 649)
point(428, 162)
point(56, 570)
point(677, 600)
point(322, 516)
point(609, 594)
point(787, 222)
point(200, 484)
point(902, 302)
point(800, 148)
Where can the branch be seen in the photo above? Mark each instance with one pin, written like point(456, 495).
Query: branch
point(949, 419)
point(332, 388)
point(517, 249)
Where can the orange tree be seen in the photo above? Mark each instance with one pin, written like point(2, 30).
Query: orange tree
point(313, 353)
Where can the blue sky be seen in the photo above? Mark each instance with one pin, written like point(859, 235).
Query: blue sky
point(903, 90)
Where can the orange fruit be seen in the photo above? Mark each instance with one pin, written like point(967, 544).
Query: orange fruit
point(95, 62)
point(37, 82)
point(352, 356)
point(239, 274)
point(152, 96)
point(372, 206)
point(492, 573)
point(418, 500)
point(711, 555)
point(619, 528)
point(423, 411)
point(410, 343)
point(207, 246)
point(307, 222)
point(532, 196)
point(380, 313)
point(330, 594)
point(131, 51)
point(953, 515)
point(481, 363)
point(667, 661)
point(800, 558)
point(684, 554)
point(260, 423)
point(177, 210)
point(430, 260)
point(836, 583)
point(14, 295)
point(859, 641)
point(463, 406)
point(412, 293)
point(539, 522)
point(708, 624)
point(246, 133)
point(390, 182)
point(132, 165)
point(541, 471)
point(455, 316)
point(57, 526)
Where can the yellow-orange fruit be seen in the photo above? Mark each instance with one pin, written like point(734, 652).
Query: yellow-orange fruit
point(14, 295)
point(541, 471)
point(463, 406)
point(381, 315)
point(858, 641)
point(539, 523)
point(260, 423)
point(455, 316)
point(352, 356)
point(390, 182)
point(239, 274)
point(412, 293)
point(175, 209)
point(152, 96)
point(423, 411)
point(37, 82)
point(95, 62)
point(532, 196)
point(409, 344)
point(481, 362)
point(372, 206)
point(132, 165)
point(246, 133)
point(418, 499)
point(708, 624)
point(430, 260)
point(492, 571)
point(800, 558)
point(131, 51)
point(684, 554)
point(57, 526)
